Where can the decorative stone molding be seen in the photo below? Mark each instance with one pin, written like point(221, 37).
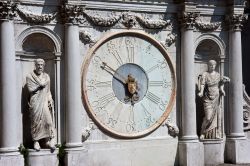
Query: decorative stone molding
point(236, 21)
point(129, 19)
point(98, 20)
point(153, 24)
point(86, 37)
point(214, 38)
point(87, 131)
point(71, 13)
point(35, 18)
point(207, 26)
point(39, 29)
point(246, 110)
point(7, 10)
point(188, 19)
point(171, 38)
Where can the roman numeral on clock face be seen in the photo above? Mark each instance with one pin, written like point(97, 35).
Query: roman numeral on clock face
point(130, 49)
point(113, 49)
point(104, 100)
point(104, 84)
point(153, 98)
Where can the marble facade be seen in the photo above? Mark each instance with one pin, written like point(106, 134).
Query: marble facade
point(62, 32)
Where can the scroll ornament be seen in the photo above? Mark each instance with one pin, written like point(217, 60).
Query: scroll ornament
point(86, 37)
point(171, 38)
point(87, 131)
point(246, 110)
point(173, 130)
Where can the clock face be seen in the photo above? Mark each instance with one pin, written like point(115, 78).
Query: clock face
point(128, 84)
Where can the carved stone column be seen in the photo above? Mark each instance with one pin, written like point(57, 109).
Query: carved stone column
point(188, 144)
point(235, 74)
point(188, 112)
point(9, 142)
point(236, 140)
point(73, 106)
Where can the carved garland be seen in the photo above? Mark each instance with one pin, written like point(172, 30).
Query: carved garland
point(207, 26)
point(153, 24)
point(36, 19)
point(73, 14)
point(128, 20)
point(103, 21)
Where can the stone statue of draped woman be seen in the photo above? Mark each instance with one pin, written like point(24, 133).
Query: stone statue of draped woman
point(211, 90)
point(41, 106)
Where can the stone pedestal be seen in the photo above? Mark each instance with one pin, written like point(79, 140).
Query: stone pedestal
point(213, 151)
point(75, 156)
point(42, 158)
point(191, 153)
point(237, 151)
point(11, 159)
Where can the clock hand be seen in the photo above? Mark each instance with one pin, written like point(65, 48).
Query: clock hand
point(110, 70)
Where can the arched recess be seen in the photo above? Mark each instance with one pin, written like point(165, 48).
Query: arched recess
point(38, 42)
point(208, 47)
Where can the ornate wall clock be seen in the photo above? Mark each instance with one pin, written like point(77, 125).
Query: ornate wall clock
point(128, 84)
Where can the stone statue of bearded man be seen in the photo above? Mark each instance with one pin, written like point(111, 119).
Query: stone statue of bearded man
point(41, 106)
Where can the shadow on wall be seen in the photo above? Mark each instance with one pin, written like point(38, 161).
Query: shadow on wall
point(199, 111)
point(246, 55)
point(27, 139)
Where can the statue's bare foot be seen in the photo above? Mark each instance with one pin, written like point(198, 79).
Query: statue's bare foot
point(37, 146)
point(202, 136)
point(50, 145)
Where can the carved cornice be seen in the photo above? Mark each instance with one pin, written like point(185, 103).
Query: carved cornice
point(236, 21)
point(86, 38)
point(7, 10)
point(35, 18)
point(188, 19)
point(153, 24)
point(71, 13)
point(207, 26)
point(98, 20)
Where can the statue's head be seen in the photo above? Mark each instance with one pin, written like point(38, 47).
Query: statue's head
point(211, 65)
point(39, 66)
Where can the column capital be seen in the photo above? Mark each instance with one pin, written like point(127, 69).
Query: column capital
point(236, 21)
point(7, 10)
point(187, 19)
point(71, 13)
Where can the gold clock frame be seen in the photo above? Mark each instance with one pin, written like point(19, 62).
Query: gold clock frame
point(86, 103)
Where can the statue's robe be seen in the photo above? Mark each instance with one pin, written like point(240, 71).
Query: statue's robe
point(40, 106)
point(211, 104)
